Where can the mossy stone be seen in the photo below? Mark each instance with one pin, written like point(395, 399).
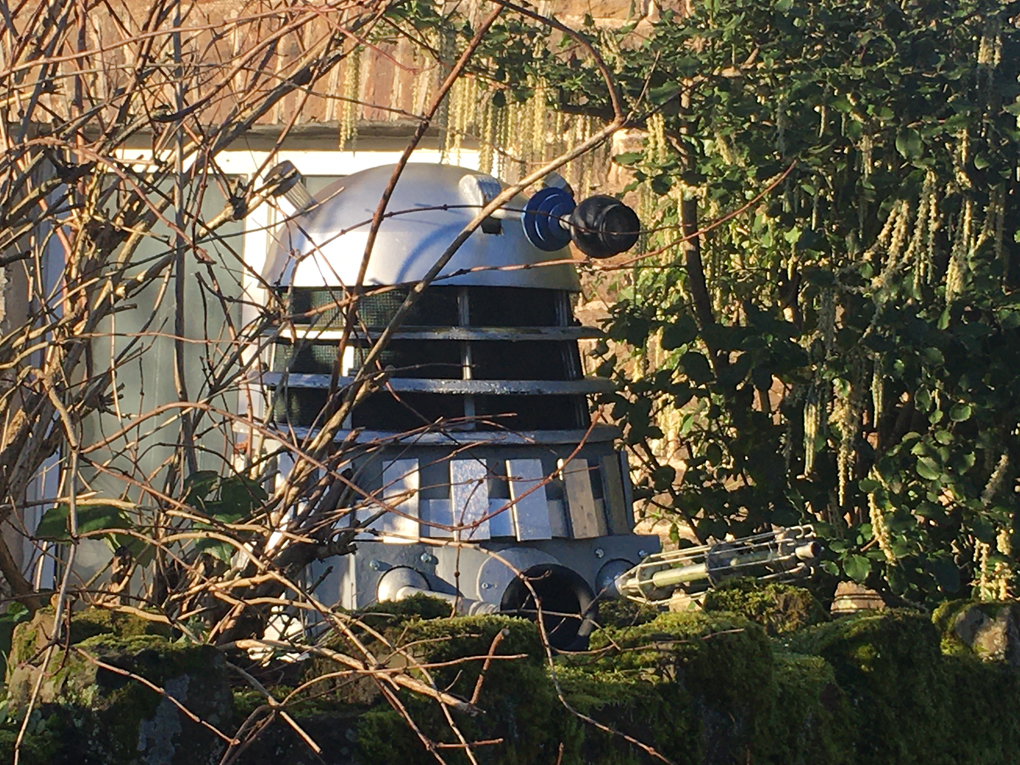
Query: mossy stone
point(658, 713)
point(516, 698)
point(335, 732)
point(811, 721)
point(890, 666)
point(988, 631)
point(31, 637)
point(387, 619)
point(625, 613)
point(722, 662)
point(779, 608)
point(106, 716)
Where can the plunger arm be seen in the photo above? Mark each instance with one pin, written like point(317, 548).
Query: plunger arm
point(776, 556)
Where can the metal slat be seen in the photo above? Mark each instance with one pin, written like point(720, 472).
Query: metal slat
point(449, 333)
point(455, 387)
point(500, 518)
point(400, 490)
point(447, 436)
point(530, 511)
point(558, 519)
point(586, 520)
point(620, 515)
point(469, 497)
point(437, 513)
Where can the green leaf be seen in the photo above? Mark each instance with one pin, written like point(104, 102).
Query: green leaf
point(198, 485)
point(628, 158)
point(663, 477)
point(696, 367)
point(55, 523)
point(220, 550)
point(682, 331)
point(908, 143)
point(239, 495)
point(869, 485)
point(946, 574)
point(660, 94)
point(928, 469)
point(857, 567)
point(960, 413)
point(714, 453)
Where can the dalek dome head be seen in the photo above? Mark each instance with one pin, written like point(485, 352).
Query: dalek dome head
point(323, 243)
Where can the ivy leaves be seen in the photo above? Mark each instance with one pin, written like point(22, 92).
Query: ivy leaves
point(212, 500)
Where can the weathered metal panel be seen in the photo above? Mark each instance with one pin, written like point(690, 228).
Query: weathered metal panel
point(530, 510)
point(586, 521)
point(400, 490)
point(621, 520)
point(437, 514)
point(500, 518)
point(469, 497)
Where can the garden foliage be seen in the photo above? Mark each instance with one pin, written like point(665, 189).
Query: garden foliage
point(851, 358)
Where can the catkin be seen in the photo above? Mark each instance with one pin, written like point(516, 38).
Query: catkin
point(487, 148)
point(996, 480)
point(812, 425)
point(959, 255)
point(880, 528)
point(655, 138)
point(536, 123)
point(1003, 573)
point(351, 107)
point(984, 587)
point(867, 149)
point(827, 319)
point(877, 392)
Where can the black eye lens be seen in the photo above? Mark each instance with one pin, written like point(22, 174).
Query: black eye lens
point(603, 227)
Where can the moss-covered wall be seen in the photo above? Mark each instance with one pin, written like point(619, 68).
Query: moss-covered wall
point(707, 687)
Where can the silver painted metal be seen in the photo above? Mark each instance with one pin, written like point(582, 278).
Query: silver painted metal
point(429, 208)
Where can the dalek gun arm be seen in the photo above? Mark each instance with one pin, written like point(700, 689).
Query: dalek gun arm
point(777, 556)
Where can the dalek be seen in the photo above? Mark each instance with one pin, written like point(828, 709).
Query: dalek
point(484, 480)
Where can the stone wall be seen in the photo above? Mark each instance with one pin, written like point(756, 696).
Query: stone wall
point(770, 680)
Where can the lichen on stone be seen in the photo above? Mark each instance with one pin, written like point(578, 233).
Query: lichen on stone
point(779, 608)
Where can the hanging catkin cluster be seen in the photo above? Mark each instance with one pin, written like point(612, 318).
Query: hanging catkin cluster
point(877, 392)
point(879, 525)
point(461, 115)
point(487, 138)
point(847, 410)
point(656, 149)
point(889, 248)
point(812, 426)
point(995, 576)
point(921, 250)
point(446, 50)
point(350, 107)
point(1002, 574)
point(960, 253)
